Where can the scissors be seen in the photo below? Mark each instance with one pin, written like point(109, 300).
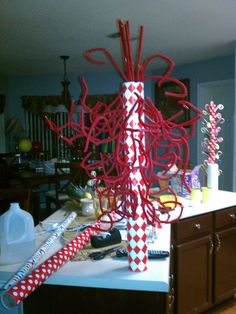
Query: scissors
point(101, 254)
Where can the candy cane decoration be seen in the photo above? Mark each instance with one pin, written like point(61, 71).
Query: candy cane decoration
point(211, 129)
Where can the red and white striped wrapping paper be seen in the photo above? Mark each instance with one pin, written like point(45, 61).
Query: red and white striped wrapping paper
point(27, 285)
point(212, 140)
point(136, 227)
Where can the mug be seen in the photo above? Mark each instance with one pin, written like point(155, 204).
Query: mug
point(97, 208)
point(87, 206)
point(196, 195)
point(207, 194)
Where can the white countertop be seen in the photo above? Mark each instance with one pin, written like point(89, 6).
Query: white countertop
point(113, 273)
point(221, 200)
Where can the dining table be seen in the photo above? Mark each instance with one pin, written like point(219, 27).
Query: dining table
point(33, 178)
point(40, 177)
point(38, 181)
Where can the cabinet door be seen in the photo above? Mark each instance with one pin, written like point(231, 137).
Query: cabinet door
point(194, 275)
point(225, 264)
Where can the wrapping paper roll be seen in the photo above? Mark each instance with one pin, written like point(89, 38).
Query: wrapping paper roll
point(213, 176)
point(34, 260)
point(137, 226)
point(26, 286)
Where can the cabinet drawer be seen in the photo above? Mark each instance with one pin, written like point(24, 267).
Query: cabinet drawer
point(193, 227)
point(226, 217)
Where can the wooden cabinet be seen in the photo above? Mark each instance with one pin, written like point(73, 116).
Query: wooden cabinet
point(193, 246)
point(203, 261)
point(193, 285)
point(225, 254)
point(51, 299)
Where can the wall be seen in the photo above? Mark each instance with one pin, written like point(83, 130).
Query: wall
point(234, 148)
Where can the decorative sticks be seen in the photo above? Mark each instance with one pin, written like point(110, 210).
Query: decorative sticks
point(211, 129)
point(165, 140)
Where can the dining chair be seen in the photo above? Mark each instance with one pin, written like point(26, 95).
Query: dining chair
point(65, 173)
point(23, 196)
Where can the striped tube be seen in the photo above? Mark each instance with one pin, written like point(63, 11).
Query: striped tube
point(136, 226)
point(212, 140)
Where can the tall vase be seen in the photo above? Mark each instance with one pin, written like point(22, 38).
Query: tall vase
point(136, 226)
point(213, 176)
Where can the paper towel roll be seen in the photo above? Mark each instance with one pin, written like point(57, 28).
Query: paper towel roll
point(213, 176)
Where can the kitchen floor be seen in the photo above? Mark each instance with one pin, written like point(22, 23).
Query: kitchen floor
point(226, 308)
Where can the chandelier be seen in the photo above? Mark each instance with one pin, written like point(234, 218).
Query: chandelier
point(65, 83)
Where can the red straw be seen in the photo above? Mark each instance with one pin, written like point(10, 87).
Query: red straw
point(162, 135)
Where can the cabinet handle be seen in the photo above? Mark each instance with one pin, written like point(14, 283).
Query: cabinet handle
point(232, 216)
point(197, 226)
point(171, 292)
point(171, 301)
point(218, 244)
point(211, 245)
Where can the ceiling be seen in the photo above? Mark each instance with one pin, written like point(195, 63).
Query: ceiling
point(33, 34)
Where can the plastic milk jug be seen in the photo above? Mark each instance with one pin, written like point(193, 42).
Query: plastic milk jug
point(17, 237)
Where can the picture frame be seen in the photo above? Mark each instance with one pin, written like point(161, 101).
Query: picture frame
point(167, 105)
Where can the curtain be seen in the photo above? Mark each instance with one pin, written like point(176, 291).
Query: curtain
point(2, 103)
point(37, 104)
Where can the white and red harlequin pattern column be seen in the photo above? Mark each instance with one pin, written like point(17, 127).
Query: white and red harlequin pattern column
point(212, 140)
point(136, 227)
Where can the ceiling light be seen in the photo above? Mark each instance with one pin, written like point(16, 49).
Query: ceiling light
point(65, 83)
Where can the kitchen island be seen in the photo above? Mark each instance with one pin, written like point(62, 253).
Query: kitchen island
point(108, 279)
point(108, 286)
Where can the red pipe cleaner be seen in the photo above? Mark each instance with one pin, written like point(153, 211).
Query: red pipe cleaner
point(165, 139)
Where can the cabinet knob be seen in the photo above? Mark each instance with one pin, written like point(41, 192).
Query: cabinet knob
point(232, 216)
point(171, 292)
point(171, 301)
point(197, 226)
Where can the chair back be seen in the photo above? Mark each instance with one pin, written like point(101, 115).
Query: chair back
point(67, 173)
point(20, 195)
point(70, 171)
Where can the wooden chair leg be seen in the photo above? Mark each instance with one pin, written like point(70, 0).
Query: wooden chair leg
point(48, 204)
